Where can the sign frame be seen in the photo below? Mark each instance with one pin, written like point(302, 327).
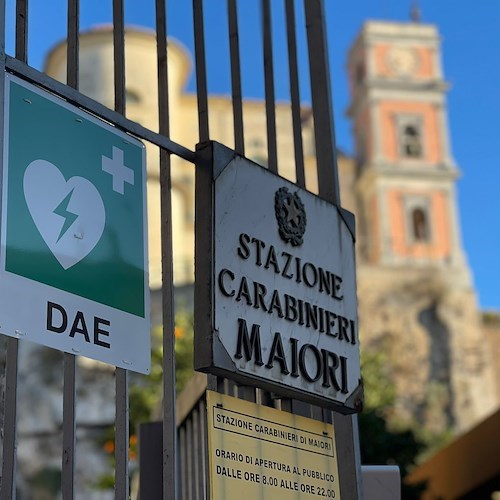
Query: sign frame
point(210, 355)
point(126, 341)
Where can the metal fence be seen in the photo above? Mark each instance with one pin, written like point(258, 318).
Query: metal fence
point(184, 452)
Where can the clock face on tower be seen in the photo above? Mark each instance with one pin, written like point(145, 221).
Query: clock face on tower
point(402, 60)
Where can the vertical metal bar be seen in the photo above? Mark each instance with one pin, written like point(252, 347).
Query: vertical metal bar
point(7, 488)
point(22, 30)
point(69, 427)
point(317, 412)
point(189, 457)
point(72, 69)
point(204, 449)
point(348, 456)
point(234, 49)
point(346, 433)
point(196, 454)
point(150, 461)
point(327, 416)
point(324, 129)
point(229, 387)
point(183, 462)
point(301, 408)
point(121, 435)
point(216, 384)
point(119, 55)
point(121, 376)
point(272, 152)
point(247, 393)
point(162, 61)
point(201, 70)
point(264, 398)
point(169, 429)
point(8, 484)
point(286, 405)
point(69, 390)
point(195, 477)
point(295, 93)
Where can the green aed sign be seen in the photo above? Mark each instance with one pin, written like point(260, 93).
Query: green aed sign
point(73, 262)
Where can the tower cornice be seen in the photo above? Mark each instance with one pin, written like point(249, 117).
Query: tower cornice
point(376, 90)
point(404, 173)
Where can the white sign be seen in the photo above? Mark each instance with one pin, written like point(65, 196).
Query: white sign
point(284, 289)
point(73, 262)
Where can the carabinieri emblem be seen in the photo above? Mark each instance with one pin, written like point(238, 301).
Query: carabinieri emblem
point(291, 216)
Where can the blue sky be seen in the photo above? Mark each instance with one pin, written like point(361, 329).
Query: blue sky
point(470, 45)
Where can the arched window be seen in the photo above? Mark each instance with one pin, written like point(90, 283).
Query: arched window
point(132, 97)
point(360, 73)
point(411, 141)
point(256, 143)
point(261, 160)
point(360, 149)
point(420, 226)
point(256, 150)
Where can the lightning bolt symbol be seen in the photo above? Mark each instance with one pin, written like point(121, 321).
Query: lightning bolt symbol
point(69, 217)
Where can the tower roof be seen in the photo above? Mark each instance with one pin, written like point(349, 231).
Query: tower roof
point(389, 30)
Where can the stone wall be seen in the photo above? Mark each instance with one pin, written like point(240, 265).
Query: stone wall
point(431, 333)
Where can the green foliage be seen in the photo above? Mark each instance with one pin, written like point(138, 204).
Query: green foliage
point(105, 482)
point(145, 392)
point(47, 482)
point(433, 442)
point(381, 444)
point(380, 392)
point(491, 318)
point(184, 333)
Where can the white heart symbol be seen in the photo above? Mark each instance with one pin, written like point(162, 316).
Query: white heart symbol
point(69, 215)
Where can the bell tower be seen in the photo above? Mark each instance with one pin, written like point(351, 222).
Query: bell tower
point(405, 170)
point(416, 299)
